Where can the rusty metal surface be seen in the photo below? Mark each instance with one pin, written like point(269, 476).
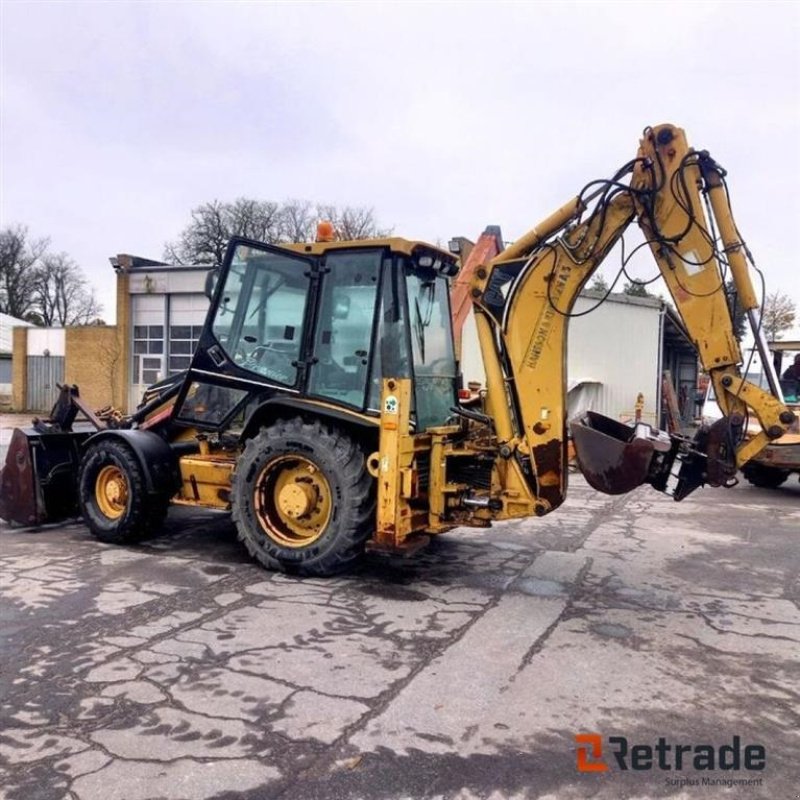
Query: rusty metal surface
point(549, 460)
point(611, 460)
point(20, 495)
point(39, 480)
point(721, 452)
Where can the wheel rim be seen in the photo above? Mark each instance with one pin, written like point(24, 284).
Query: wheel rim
point(111, 491)
point(292, 501)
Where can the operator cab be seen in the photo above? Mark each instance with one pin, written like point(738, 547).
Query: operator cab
point(326, 322)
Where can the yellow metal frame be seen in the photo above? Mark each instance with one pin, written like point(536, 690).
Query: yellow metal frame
point(206, 479)
point(402, 507)
point(413, 505)
point(395, 243)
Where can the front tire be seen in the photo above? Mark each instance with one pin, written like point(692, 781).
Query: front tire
point(763, 476)
point(302, 498)
point(113, 497)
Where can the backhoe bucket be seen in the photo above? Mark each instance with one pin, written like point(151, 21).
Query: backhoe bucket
point(613, 457)
point(39, 481)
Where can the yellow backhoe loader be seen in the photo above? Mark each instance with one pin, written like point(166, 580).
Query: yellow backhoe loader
point(321, 404)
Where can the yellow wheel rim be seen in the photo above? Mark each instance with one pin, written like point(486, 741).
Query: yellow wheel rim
point(111, 491)
point(292, 500)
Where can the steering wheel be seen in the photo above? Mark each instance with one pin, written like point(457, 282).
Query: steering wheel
point(271, 362)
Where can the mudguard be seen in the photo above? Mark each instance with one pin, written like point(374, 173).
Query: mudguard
point(158, 460)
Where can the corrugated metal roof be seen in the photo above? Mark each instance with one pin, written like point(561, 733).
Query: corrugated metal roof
point(7, 324)
point(621, 297)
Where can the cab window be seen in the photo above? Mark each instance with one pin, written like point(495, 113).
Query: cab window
point(260, 318)
point(431, 346)
point(343, 332)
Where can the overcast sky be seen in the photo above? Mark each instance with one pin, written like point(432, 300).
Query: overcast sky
point(118, 118)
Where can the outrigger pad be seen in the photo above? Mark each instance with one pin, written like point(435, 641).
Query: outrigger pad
point(616, 458)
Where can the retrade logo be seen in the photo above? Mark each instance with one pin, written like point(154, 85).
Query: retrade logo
point(665, 755)
point(590, 752)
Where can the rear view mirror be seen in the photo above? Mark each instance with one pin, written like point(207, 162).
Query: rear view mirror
point(211, 282)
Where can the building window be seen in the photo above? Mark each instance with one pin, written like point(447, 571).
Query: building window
point(148, 350)
point(183, 341)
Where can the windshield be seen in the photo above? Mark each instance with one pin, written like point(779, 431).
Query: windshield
point(431, 346)
point(788, 368)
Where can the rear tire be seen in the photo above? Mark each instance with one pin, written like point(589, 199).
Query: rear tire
point(763, 476)
point(113, 495)
point(302, 499)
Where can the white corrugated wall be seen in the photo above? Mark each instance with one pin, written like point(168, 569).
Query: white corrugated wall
point(618, 346)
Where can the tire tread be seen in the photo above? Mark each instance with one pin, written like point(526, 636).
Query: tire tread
point(356, 519)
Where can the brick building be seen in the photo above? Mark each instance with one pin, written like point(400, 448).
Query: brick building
point(160, 313)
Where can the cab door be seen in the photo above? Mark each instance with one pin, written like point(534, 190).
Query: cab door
point(255, 338)
point(344, 326)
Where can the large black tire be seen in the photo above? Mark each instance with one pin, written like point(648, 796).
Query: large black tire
point(113, 495)
point(320, 473)
point(763, 476)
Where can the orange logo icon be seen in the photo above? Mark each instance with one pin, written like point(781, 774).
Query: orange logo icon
point(590, 752)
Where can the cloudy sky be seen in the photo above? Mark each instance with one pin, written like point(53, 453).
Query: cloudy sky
point(118, 118)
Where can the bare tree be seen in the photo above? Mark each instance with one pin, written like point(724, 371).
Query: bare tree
point(297, 221)
point(779, 315)
point(352, 222)
point(109, 359)
point(205, 238)
point(255, 219)
point(19, 258)
point(636, 289)
point(60, 292)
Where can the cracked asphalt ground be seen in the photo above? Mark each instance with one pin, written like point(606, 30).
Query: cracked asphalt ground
point(178, 669)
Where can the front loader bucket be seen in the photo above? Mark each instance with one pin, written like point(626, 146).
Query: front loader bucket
point(39, 481)
point(615, 458)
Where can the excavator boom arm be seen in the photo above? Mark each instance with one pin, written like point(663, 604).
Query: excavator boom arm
point(523, 300)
